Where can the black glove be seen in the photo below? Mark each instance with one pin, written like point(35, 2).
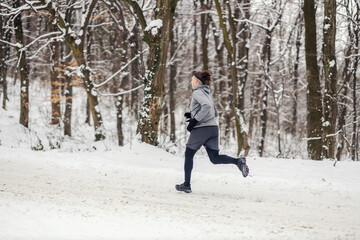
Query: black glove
point(192, 123)
point(187, 115)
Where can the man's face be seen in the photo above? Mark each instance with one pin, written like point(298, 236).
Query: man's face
point(194, 82)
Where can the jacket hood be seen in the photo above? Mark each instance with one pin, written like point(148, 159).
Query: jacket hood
point(203, 87)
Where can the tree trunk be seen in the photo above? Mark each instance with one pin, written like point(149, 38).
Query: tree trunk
point(354, 144)
point(172, 85)
point(23, 68)
point(231, 49)
point(55, 81)
point(88, 115)
point(204, 22)
point(343, 101)
point(263, 114)
point(243, 58)
point(68, 106)
point(296, 78)
point(195, 60)
point(124, 78)
point(314, 104)
point(221, 94)
point(150, 111)
point(4, 56)
point(330, 72)
point(135, 68)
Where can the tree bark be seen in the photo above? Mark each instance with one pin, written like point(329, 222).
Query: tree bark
point(4, 57)
point(204, 21)
point(172, 85)
point(158, 42)
point(342, 106)
point(330, 72)
point(23, 68)
point(296, 77)
point(264, 99)
point(355, 135)
point(124, 79)
point(195, 60)
point(314, 104)
point(68, 105)
point(135, 67)
point(55, 81)
point(243, 58)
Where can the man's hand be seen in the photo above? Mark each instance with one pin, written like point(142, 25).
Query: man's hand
point(192, 123)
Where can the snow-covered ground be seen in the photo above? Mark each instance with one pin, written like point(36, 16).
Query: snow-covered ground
point(128, 193)
point(96, 190)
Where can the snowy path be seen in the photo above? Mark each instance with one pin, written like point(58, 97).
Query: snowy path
point(130, 195)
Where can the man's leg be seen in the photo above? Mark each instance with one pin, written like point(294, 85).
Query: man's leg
point(215, 158)
point(188, 166)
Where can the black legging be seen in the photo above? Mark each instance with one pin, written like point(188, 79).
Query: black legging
point(214, 156)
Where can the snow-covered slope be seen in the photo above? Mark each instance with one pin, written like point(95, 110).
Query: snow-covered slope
point(129, 193)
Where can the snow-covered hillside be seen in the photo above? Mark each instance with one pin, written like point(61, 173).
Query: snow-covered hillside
point(129, 193)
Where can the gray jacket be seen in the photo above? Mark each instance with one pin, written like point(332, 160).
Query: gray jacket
point(203, 107)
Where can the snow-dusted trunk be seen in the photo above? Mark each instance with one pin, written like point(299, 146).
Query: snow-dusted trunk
point(296, 77)
point(243, 30)
point(5, 34)
point(23, 68)
point(157, 36)
point(314, 104)
point(68, 105)
point(355, 135)
point(68, 86)
point(343, 101)
point(172, 86)
point(263, 114)
point(54, 79)
point(330, 75)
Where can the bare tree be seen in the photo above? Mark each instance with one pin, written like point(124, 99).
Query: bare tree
point(314, 104)
point(330, 74)
point(77, 44)
point(5, 35)
point(54, 77)
point(23, 68)
point(156, 36)
point(231, 49)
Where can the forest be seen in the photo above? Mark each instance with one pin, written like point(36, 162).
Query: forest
point(285, 73)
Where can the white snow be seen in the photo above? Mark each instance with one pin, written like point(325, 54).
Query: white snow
point(129, 193)
point(154, 26)
point(78, 41)
point(97, 190)
point(332, 63)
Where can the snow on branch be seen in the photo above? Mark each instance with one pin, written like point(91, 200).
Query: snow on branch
point(16, 45)
point(28, 6)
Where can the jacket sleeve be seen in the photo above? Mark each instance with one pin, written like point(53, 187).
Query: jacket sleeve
point(205, 105)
